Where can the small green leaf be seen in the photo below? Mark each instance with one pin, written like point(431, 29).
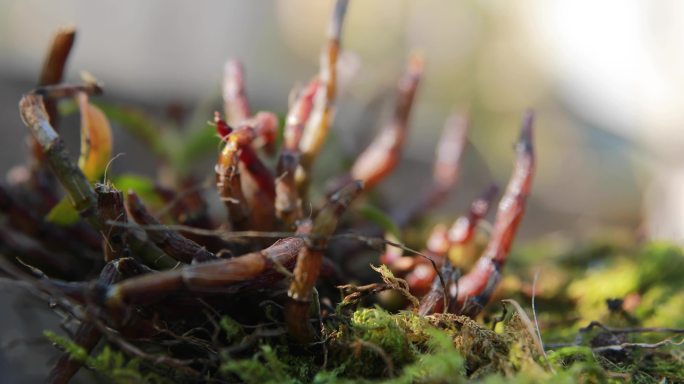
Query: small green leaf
point(67, 107)
point(63, 213)
point(74, 350)
point(231, 327)
point(134, 120)
point(380, 218)
point(196, 144)
point(138, 124)
point(141, 185)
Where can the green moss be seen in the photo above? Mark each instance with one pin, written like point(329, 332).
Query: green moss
point(614, 280)
point(74, 350)
point(441, 363)
point(263, 367)
point(372, 345)
point(660, 264)
point(664, 365)
point(301, 367)
point(111, 365)
point(660, 307)
point(567, 356)
point(231, 327)
point(374, 335)
point(371, 336)
point(484, 350)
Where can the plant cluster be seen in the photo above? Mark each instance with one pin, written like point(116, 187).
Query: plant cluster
point(162, 291)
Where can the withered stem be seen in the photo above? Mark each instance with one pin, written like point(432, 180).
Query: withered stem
point(17, 245)
point(110, 203)
point(235, 100)
point(55, 62)
point(169, 241)
point(79, 190)
point(445, 171)
point(256, 269)
point(463, 229)
point(76, 240)
point(443, 298)
point(476, 287)
point(52, 73)
point(149, 253)
point(189, 208)
point(287, 203)
point(320, 118)
point(87, 335)
point(381, 157)
point(309, 262)
point(258, 188)
point(297, 117)
point(61, 91)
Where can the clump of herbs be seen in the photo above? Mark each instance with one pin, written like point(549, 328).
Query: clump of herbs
point(174, 297)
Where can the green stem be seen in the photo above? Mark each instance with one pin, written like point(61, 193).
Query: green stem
point(79, 190)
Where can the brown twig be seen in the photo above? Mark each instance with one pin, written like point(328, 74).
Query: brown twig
point(54, 64)
point(623, 346)
point(189, 207)
point(61, 91)
point(75, 183)
point(256, 269)
point(613, 331)
point(320, 118)
point(445, 170)
point(110, 203)
point(258, 188)
point(266, 126)
point(287, 203)
point(171, 242)
point(235, 100)
point(51, 73)
point(309, 262)
point(441, 295)
point(297, 117)
point(380, 158)
point(245, 184)
point(87, 335)
point(76, 240)
point(18, 245)
point(476, 287)
point(354, 294)
point(463, 229)
point(229, 185)
point(146, 251)
point(631, 329)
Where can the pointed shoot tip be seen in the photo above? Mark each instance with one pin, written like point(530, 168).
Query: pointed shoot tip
point(526, 132)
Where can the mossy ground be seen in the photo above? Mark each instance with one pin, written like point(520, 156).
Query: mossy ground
point(618, 287)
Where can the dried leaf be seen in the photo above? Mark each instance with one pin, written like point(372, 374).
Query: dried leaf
point(96, 139)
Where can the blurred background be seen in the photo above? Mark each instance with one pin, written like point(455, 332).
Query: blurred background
point(606, 79)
